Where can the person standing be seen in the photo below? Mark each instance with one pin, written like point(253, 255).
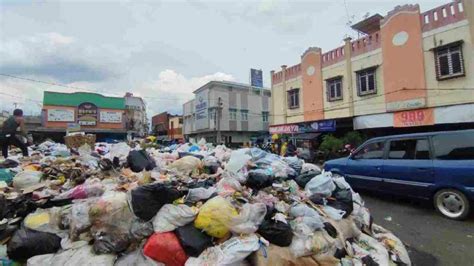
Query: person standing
point(8, 133)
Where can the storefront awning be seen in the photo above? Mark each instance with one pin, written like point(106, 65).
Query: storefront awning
point(306, 136)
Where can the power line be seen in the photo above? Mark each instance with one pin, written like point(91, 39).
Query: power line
point(46, 82)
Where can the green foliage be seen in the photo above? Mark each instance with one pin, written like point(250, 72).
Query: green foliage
point(331, 144)
point(354, 138)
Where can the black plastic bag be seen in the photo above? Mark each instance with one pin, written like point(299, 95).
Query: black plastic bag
point(343, 201)
point(27, 243)
point(258, 179)
point(276, 232)
point(147, 200)
point(184, 154)
point(139, 160)
point(8, 163)
point(303, 179)
point(193, 241)
point(110, 243)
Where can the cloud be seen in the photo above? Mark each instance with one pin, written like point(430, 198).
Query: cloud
point(55, 55)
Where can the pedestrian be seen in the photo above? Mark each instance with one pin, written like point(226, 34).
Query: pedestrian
point(8, 133)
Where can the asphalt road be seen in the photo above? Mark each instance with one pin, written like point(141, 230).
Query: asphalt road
point(430, 238)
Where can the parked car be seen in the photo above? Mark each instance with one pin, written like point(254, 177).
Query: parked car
point(438, 166)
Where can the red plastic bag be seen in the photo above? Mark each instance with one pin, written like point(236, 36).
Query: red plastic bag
point(165, 248)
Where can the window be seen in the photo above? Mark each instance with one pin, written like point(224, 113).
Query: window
point(427, 19)
point(244, 114)
point(371, 151)
point(366, 82)
point(294, 98)
point(334, 89)
point(265, 116)
point(212, 114)
point(458, 146)
point(409, 149)
point(435, 16)
point(449, 61)
point(232, 114)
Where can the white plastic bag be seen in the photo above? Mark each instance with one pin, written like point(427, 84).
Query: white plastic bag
point(333, 213)
point(302, 243)
point(366, 244)
point(249, 219)
point(309, 167)
point(119, 150)
point(321, 184)
point(170, 216)
point(307, 215)
point(136, 258)
point(74, 257)
point(392, 243)
point(27, 178)
point(238, 159)
point(200, 193)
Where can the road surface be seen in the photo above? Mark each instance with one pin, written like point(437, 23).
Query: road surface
point(430, 238)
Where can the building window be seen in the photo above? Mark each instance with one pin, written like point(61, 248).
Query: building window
point(265, 116)
point(449, 61)
point(334, 89)
point(293, 98)
point(366, 82)
point(232, 114)
point(212, 114)
point(244, 115)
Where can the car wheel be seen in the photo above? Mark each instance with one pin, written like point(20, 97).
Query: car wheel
point(452, 204)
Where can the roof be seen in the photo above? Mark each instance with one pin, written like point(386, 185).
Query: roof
point(368, 25)
point(232, 84)
point(76, 98)
point(414, 135)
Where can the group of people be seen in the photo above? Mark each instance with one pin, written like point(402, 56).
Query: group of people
point(12, 132)
point(283, 147)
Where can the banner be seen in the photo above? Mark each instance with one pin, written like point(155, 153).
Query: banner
point(61, 115)
point(111, 117)
point(201, 106)
point(309, 127)
point(256, 78)
point(421, 117)
point(87, 114)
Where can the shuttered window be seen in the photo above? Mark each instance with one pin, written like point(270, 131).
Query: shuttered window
point(449, 61)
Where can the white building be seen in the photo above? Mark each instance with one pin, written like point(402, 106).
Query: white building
point(136, 114)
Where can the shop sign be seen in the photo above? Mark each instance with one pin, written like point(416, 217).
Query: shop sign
point(110, 117)
point(310, 127)
point(201, 110)
point(256, 78)
point(73, 127)
point(87, 114)
point(406, 105)
point(60, 115)
point(422, 117)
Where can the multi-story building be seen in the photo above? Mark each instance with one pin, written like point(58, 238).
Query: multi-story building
point(175, 127)
point(167, 126)
point(136, 114)
point(410, 71)
point(238, 111)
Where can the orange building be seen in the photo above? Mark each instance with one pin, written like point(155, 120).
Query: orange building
point(91, 112)
point(409, 69)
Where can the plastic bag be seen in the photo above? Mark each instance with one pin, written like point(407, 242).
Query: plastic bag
point(6, 176)
point(323, 243)
point(309, 167)
point(334, 213)
point(147, 200)
point(79, 221)
point(295, 163)
point(321, 184)
point(139, 161)
point(257, 153)
point(170, 216)
point(119, 150)
point(238, 159)
point(367, 245)
point(307, 215)
point(304, 178)
point(211, 165)
point(392, 243)
point(249, 219)
point(27, 243)
point(186, 165)
point(215, 216)
point(136, 258)
point(75, 257)
point(91, 188)
point(258, 179)
point(343, 201)
point(27, 178)
point(48, 220)
point(140, 229)
point(193, 241)
point(165, 248)
point(228, 186)
point(197, 194)
point(276, 232)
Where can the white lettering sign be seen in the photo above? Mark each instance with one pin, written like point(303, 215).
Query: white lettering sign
point(110, 117)
point(61, 115)
point(406, 105)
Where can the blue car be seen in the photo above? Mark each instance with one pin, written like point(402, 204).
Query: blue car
point(437, 166)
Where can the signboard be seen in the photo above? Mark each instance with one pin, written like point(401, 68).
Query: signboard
point(61, 115)
point(406, 105)
point(256, 78)
point(73, 127)
point(201, 106)
point(422, 117)
point(310, 127)
point(87, 114)
point(110, 117)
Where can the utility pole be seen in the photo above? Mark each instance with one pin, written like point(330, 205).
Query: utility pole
point(15, 105)
point(218, 118)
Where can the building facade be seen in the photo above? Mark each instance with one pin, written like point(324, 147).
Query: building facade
point(167, 126)
point(175, 128)
point(92, 112)
point(237, 110)
point(136, 119)
point(408, 70)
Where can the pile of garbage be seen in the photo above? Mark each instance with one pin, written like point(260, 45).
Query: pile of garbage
point(187, 204)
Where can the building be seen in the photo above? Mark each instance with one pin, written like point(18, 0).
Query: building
point(243, 111)
point(167, 126)
point(410, 71)
point(136, 115)
point(92, 112)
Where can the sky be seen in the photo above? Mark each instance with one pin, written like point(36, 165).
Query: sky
point(162, 50)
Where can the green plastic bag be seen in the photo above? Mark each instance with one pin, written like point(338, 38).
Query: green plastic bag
point(6, 176)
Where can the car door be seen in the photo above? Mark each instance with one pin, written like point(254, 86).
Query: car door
point(364, 167)
point(408, 168)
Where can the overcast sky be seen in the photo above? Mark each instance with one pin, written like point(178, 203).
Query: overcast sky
point(162, 50)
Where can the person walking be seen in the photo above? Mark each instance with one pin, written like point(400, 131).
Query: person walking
point(8, 133)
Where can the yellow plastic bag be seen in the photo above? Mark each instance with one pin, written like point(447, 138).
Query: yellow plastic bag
point(35, 220)
point(215, 216)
